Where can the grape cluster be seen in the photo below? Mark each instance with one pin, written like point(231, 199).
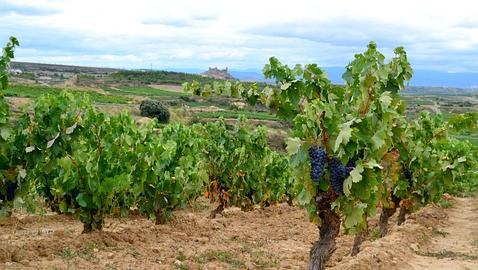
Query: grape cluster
point(249, 194)
point(408, 175)
point(338, 174)
point(10, 188)
point(318, 157)
point(352, 161)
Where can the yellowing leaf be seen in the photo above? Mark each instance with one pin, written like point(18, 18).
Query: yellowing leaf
point(293, 145)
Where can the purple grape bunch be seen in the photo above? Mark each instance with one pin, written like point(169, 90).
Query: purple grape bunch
point(318, 157)
point(338, 174)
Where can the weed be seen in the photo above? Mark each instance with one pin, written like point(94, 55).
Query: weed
point(222, 256)
point(446, 204)
point(448, 254)
point(181, 256)
point(181, 266)
point(375, 234)
point(262, 260)
point(67, 253)
point(86, 252)
point(436, 231)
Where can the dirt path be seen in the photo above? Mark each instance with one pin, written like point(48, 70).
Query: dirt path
point(453, 245)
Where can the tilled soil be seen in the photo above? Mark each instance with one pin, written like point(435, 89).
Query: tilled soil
point(278, 237)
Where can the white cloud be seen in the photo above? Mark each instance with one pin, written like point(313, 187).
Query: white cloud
point(240, 34)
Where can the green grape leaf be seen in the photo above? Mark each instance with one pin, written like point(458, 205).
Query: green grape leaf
point(355, 177)
point(83, 200)
point(344, 134)
point(354, 217)
point(378, 139)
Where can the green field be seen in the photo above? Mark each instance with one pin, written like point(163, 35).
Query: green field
point(33, 91)
point(236, 114)
point(144, 91)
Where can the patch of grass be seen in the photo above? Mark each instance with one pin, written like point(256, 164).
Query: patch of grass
point(67, 253)
point(145, 91)
point(262, 261)
point(181, 256)
point(448, 254)
point(375, 234)
point(110, 266)
point(31, 91)
point(181, 266)
point(436, 231)
point(221, 256)
point(135, 253)
point(446, 203)
point(425, 238)
point(86, 252)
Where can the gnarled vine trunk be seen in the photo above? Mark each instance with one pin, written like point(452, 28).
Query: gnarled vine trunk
point(329, 229)
point(384, 217)
point(402, 215)
point(160, 217)
point(359, 238)
point(216, 211)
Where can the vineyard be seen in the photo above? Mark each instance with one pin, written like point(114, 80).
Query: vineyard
point(352, 155)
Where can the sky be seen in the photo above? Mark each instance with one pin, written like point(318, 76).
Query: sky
point(438, 35)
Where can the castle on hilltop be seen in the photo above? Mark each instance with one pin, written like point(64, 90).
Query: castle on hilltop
point(219, 73)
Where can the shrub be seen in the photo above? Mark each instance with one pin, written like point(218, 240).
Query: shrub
point(156, 109)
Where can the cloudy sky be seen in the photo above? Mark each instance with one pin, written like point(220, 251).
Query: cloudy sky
point(438, 35)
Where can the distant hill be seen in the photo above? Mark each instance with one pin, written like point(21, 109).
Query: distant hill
point(443, 82)
point(430, 90)
point(420, 78)
point(51, 68)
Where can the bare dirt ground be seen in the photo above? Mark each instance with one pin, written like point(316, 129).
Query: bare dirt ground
point(278, 237)
point(455, 245)
point(18, 103)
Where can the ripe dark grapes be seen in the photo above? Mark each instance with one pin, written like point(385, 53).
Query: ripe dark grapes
point(10, 188)
point(352, 161)
point(249, 194)
point(318, 157)
point(338, 174)
point(408, 175)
